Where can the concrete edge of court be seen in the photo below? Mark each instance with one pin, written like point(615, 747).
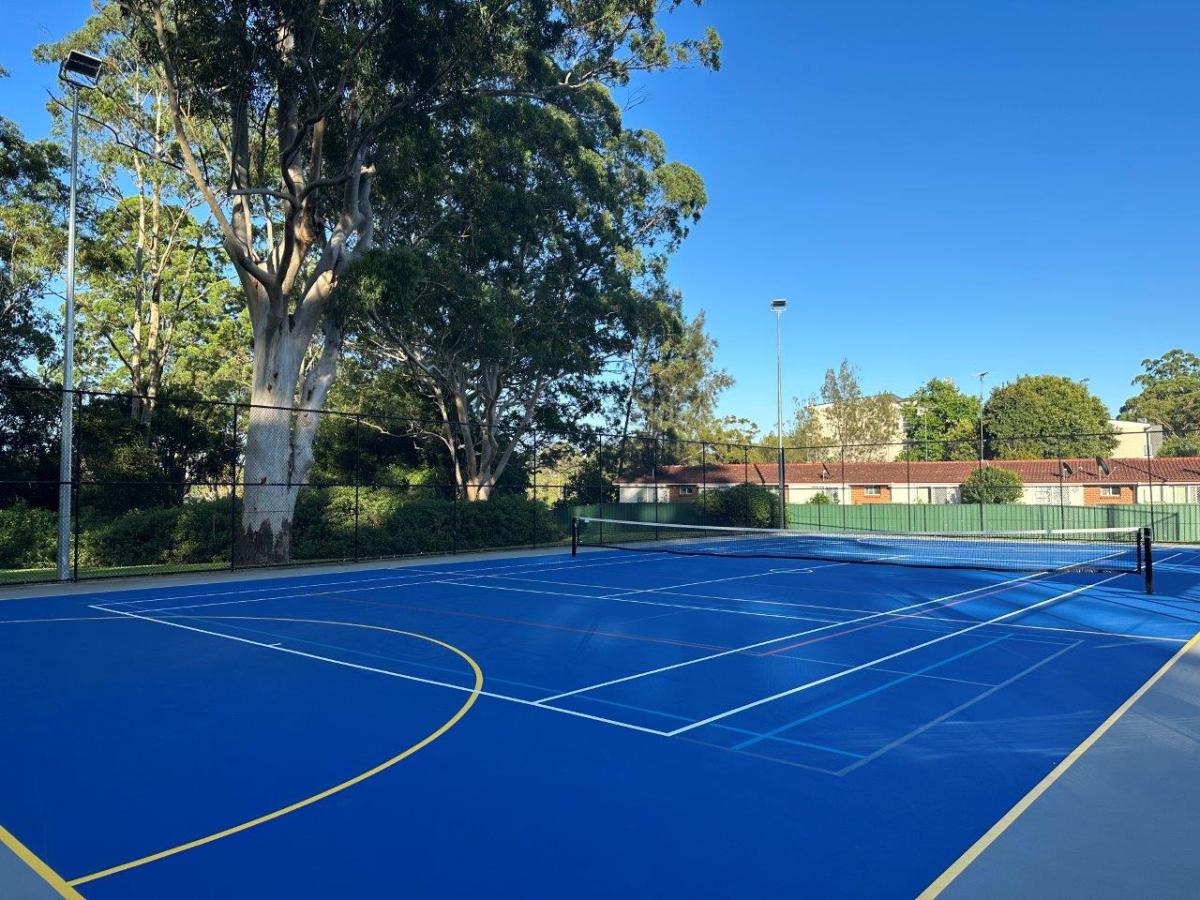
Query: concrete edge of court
point(1121, 822)
point(19, 882)
point(35, 589)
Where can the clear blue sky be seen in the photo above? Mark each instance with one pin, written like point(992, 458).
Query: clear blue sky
point(938, 187)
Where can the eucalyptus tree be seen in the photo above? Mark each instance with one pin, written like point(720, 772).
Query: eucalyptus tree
point(308, 102)
point(534, 263)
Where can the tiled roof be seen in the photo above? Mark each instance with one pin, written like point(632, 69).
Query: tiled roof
point(1165, 470)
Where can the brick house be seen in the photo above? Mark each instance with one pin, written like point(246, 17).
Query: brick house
point(1075, 482)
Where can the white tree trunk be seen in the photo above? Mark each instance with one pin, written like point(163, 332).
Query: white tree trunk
point(279, 437)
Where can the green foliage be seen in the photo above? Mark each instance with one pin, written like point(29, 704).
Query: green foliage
point(193, 532)
point(391, 522)
point(32, 198)
point(28, 536)
point(992, 484)
point(743, 506)
point(941, 422)
point(28, 443)
point(130, 463)
point(819, 500)
point(1170, 397)
point(1044, 416)
point(1181, 445)
point(842, 421)
point(396, 522)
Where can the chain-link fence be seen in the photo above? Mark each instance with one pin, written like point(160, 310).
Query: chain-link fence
point(182, 484)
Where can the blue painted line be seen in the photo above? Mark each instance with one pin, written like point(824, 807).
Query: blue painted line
point(773, 733)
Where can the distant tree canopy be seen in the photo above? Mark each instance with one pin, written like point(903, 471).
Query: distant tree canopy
point(1044, 416)
point(941, 422)
point(992, 484)
point(1169, 396)
point(32, 200)
point(844, 422)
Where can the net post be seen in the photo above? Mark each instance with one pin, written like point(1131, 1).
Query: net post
point(574, 535)
point(1148, 557)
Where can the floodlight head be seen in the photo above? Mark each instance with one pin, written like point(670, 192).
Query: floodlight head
point(80, 69)
point(981, 374)
point(779, 305)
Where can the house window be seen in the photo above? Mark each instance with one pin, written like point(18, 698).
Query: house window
point(686, 490)
point(1110, 490)
point(874, 490)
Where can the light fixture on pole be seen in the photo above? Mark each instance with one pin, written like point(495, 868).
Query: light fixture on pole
point(78, 70)
point(777, 307)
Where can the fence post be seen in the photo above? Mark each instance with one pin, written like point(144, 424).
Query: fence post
point(1148, 558)
point(600, 475)
point(533, 507)
point(908, 482)
point(77, 491)
point(1150, 482)
point(845, 498)
point(1062, 481)
point(233, 477)
point(654, 476)
point(703, 480)
point(357, 476)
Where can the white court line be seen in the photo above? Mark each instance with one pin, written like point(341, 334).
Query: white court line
point(618, 598)
point(341, 662)
point(400, 580)
point(921, 729)
point(786, 637)
point(888, 657)
point(926, 617)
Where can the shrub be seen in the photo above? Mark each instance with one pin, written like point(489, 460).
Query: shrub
point(195, 532)
point(28, 536)
point(400, 522)
point(819, 499)
point(992, 484)
point(743, 506)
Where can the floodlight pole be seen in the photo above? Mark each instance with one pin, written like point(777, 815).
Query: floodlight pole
point(778, 306)
point(67, 424)
point(981, 376)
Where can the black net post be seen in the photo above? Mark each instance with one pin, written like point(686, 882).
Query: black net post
point(703, 480)
point(574, 535)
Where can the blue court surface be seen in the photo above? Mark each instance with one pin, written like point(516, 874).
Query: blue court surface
point(616, 723)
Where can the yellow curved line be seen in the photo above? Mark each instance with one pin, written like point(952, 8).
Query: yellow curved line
point(328, 792)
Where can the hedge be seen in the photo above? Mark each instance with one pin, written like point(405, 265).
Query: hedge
point(28, 537)
point(390, 523)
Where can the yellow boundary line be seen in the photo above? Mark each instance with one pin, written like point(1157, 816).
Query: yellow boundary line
point(973, 852)
point(307, 801)
point(31, 859)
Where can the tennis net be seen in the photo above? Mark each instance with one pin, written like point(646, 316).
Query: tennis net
point(1050, 550)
